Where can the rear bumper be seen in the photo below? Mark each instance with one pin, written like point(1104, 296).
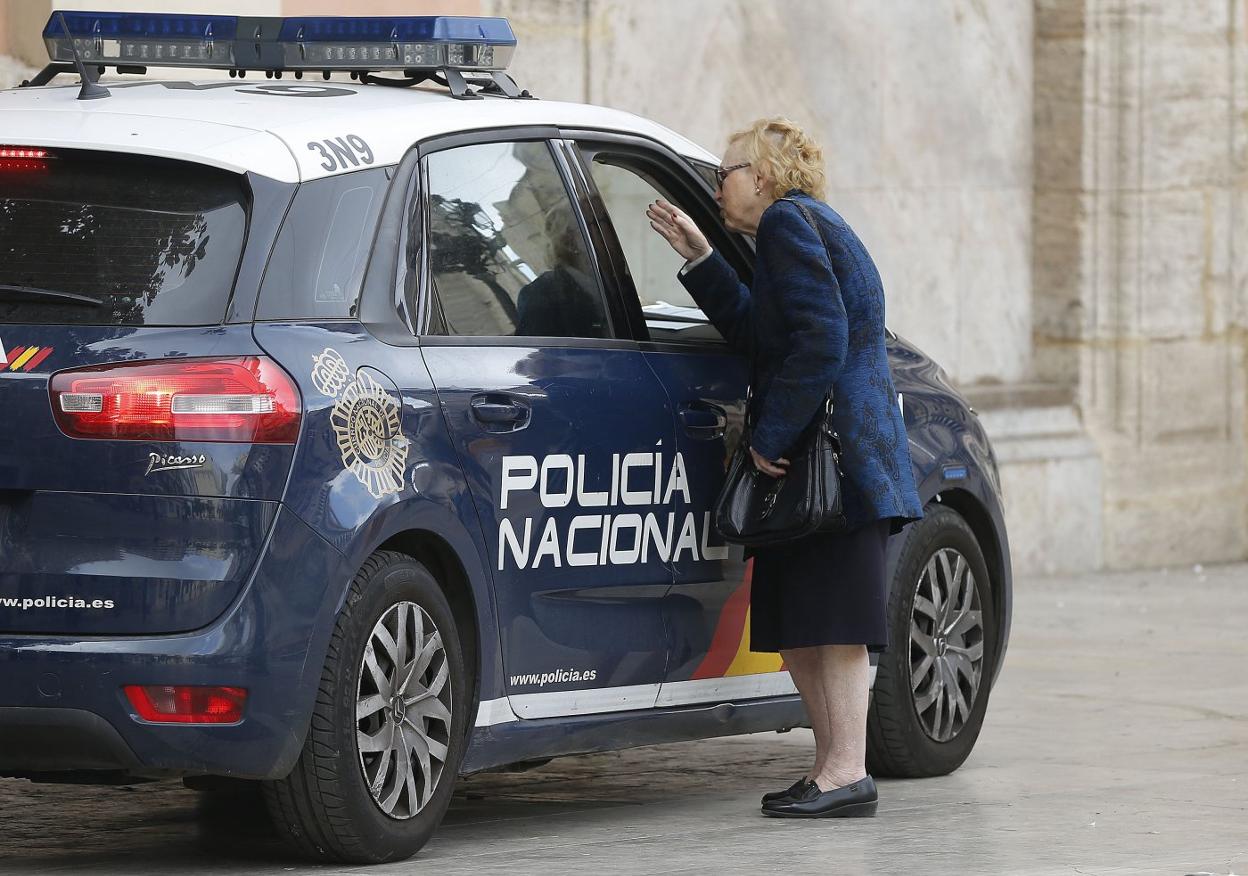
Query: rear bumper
point(61, 702)
point(46, 739)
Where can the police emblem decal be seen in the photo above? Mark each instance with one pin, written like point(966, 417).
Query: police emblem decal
point(365, 420)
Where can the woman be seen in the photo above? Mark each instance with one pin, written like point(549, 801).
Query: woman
point(813, 321)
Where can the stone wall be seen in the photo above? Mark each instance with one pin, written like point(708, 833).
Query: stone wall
point(12, 71)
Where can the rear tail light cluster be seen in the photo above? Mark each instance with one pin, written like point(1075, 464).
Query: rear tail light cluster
point(187, 704)
point(247, 400)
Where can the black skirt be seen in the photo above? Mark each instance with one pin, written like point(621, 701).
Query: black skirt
point(824, 589)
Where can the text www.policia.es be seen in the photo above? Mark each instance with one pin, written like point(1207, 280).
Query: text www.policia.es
point(558, 676)
point(28, 602)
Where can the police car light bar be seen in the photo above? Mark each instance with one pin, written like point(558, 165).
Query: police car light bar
point(227, 42)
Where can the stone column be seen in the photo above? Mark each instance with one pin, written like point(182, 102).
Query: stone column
point(1140, 266)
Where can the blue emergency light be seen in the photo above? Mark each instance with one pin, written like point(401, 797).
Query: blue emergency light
point(227, 42)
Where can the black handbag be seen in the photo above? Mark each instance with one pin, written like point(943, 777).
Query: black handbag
point(755, 509)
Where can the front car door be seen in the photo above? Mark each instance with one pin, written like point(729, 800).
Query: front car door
point(707, 611)
point(564, 432)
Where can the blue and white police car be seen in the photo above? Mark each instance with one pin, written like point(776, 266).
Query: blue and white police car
point(361, 437)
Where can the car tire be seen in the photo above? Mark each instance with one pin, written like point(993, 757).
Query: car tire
point(932, 684)
point(349, 798)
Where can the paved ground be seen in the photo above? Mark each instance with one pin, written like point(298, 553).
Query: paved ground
point(1116, 743)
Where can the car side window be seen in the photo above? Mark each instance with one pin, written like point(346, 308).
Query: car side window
point(333, 220)
point(507, 253)
point(670, 312)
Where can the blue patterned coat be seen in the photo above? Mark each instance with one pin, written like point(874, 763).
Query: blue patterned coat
point(812, 323)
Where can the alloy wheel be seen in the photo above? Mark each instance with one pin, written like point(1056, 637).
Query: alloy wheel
point(946, 645)
point(403, 710)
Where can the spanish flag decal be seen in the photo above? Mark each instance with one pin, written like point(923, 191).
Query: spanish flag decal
point(730, 652)
point(23, 358)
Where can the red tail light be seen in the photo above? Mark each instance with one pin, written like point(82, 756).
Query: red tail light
point(249, 400)
point(22, 152)
point(23, 158)
point(184, 704)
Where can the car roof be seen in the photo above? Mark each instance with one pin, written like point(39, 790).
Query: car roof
point(263, 127)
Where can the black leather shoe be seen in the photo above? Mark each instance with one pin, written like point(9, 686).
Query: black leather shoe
point(790, 793)
point(855, 800)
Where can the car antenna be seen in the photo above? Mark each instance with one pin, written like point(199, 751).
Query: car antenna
point(91, 88)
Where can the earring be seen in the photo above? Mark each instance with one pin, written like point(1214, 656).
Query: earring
point(757, 190)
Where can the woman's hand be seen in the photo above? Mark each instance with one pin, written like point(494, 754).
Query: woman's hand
point(776, 469)
point(678, 229)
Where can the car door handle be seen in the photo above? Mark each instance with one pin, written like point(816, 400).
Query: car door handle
point(500, 410)
point(702, 420)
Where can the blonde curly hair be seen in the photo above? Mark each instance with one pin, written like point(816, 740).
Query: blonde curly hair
point(785, 154)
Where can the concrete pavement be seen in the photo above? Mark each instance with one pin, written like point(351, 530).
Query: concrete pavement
point(1116, 743)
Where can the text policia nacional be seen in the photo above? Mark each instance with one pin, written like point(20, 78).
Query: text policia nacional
point(603, 537)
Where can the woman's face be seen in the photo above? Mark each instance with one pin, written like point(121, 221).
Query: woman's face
point(739, 201)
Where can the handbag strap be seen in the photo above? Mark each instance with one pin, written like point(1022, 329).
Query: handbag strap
point(812, 222)
point(827, 402)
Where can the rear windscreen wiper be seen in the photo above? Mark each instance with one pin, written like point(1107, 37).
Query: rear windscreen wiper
point(35, 292)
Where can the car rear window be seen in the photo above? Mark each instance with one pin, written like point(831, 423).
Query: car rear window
point(113, 240)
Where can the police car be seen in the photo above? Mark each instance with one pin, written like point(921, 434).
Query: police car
point(361, 437)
